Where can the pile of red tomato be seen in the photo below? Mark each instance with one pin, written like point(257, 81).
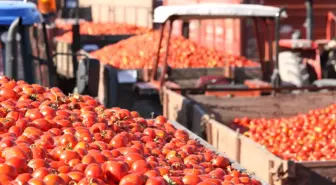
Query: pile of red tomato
point(92, 28)
point(305, 137)
point(48, 138)
point(139, 52)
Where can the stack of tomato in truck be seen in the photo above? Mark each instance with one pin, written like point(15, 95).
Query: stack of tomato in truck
point(47, 137)
point(288, 135)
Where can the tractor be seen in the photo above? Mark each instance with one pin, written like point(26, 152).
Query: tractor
point(307, 61)
point(205, 80)
point(276, 71)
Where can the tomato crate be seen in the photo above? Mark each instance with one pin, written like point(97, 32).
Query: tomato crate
point(212, 118)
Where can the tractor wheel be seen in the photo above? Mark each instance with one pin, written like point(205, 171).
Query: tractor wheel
point(292, 69)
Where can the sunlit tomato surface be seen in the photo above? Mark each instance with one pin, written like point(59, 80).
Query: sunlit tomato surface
point(49, 138)
point(139, 52)
point(304, 137)
point(93, 28)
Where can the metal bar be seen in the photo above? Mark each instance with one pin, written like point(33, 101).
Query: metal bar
point(276, 81)
point(312, 88)
point(76, 45)
point(26, 48)
point(165, 62)
point(270, 40)
point(259, 46)
point(185, 29)
point(77, 12)
point(328, 27)
point(11, 50)
point(71, 54)
point(309, 19)
point(50, 64)
point(157, 59)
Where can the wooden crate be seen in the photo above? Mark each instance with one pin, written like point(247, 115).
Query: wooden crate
point(214, 124)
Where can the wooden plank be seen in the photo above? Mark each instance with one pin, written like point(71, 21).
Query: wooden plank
point(225, 139)
point(177, 107)
point(64, 62)
point(257, 159)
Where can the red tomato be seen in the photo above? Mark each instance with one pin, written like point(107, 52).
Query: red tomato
point(115, 171)
point(191, 179)
point(156, 181)
point(53, 179)
point(47, 137)
point(133, 179)
point(94, 171)
point(8, 170)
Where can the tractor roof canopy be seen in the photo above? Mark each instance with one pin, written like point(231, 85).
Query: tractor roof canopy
point(215, 11)
point(10, 10)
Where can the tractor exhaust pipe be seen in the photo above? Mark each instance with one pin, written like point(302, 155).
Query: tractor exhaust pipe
point(11, 62)
point(309, 19)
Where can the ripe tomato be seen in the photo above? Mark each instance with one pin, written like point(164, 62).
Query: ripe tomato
point(40, 173)
point(76, 175)
point(5, 179)
point(140, 166)
point(18, 163)
point(8, 93)
point(52, 179)
point(23, 178)
point(133, 179)
point(14, 151)
point(47, 137)
point(119, 141)
point(191, 179)
point(156, 181)
point(94, 171)
point(137, 53)
point(8, 170)
point(115, 171)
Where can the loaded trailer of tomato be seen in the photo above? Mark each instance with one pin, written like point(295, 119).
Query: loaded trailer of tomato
point(231, 81)
point(88, 36)
point(49, 138)
point(290, 137)
point(123, 64)
point(187, 61)
point(230, 73)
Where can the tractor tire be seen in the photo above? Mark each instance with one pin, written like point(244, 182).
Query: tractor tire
point(292, 70)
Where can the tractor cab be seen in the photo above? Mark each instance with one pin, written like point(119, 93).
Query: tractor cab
point(305, 61)
point(162, 76)
point(22, 55)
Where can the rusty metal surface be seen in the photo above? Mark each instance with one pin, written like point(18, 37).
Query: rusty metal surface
point(226, 109)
